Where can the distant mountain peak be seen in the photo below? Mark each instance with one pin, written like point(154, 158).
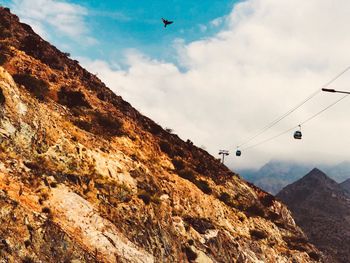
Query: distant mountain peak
point(318, 177)
point(316, 173)
point(314, 181)
point(321, 208)
point(316, 170)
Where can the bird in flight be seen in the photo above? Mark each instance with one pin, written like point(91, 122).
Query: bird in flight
point(166, 22)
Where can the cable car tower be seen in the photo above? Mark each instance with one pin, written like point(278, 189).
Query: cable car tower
point(223, 153)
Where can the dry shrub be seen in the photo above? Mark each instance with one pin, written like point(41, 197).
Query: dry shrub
point(258, 234)
point(201, 225)
point(145, 197)
point(2, 97)
point(84, 125)
point(37, 87)
point(3, 59)
point(225, 197)
point(72, 98)
point(204, 186)
point(178, 163)
point(110, 124)
point(166, 148)
point(191, 255)
point(187, 174)
point(255, 210)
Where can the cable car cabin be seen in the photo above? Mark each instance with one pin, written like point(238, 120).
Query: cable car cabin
point(297, 135)
point(238, 153)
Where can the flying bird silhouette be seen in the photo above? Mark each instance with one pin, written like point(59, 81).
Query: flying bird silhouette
point(167, 22)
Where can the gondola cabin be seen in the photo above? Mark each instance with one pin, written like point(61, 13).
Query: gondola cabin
point(297, 135)
point(238, 153)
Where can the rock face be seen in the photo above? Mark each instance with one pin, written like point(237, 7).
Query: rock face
point(321, 208)
point(84, 177)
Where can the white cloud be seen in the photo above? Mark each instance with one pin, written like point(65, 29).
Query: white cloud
point(63, 18)
point(217, 21)
point(271, 55)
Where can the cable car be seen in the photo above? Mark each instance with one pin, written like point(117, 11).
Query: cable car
point(297, 134)
point(238, 153)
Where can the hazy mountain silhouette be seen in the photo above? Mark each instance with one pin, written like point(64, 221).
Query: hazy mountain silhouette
point(275, 175)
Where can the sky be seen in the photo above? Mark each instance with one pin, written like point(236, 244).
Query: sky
point(221, 72)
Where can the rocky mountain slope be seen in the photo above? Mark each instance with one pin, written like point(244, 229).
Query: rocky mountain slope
point(84, 177)
point(346, 186)
point(275, 175)
point(321, 208)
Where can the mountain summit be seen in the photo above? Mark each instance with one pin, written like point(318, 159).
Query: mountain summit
point(321, 208)
point(84, 177)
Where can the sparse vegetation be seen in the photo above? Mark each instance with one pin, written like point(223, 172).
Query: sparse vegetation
point(155, 128)
point(169, 130)
point(258, 234)
point(171, 149)
point(166, 148)
point(28, 259)
point(255, 210)
point(204, 186)
point(296, 242)
point(187, 174)
point(314, 256)
point(72, 98)
point(102, 96)
point(3, 59)
point(148, 197)
point(191, 255)
point(178, 164)
point(273, 216)
point(27, 243)
point(84, 125)
point(179, 152)
point(120, 192)
point(201, 225)
point(37, 87)
point(4, 246)
point(145, 197)
point(46, 210)
point(225, 197)
point(267, 200)
point(2, 97)
point(109, 123)
point(34, 46)
point(4, 29)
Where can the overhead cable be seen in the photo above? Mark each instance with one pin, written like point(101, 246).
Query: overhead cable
point(294, 127)
point(274, 122)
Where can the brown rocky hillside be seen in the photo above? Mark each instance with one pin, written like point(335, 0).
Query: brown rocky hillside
point(84, 177)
